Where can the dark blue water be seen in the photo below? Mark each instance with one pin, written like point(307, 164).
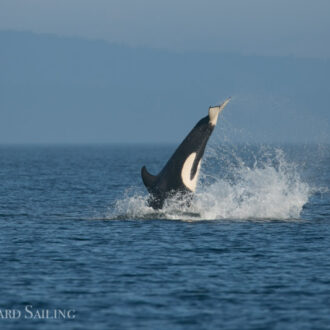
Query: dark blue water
point(76, 236)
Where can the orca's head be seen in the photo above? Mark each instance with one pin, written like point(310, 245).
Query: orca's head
point(214, 112)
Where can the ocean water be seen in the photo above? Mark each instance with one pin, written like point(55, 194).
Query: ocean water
point(81, 249)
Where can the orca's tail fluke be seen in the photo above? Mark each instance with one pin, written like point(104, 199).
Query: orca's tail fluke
point(147, 178)
point(214, 111)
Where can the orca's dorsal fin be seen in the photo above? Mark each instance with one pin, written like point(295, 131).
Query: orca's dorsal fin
point(147, 178)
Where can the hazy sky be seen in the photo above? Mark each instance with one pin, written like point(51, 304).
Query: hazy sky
point(58, 89)
point(264, 27)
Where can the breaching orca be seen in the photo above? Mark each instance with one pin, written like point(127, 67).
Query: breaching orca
point(179, 176)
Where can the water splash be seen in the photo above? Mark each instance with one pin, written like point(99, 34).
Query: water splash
point(269, 189)
point(236, 183)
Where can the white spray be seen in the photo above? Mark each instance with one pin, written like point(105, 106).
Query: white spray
point(268, 188)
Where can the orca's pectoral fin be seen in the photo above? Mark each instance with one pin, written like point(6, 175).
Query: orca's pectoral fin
point(147, 178)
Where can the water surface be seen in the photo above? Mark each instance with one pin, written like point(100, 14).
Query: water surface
point(76, 234)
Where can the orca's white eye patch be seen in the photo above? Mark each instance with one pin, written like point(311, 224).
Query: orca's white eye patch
point(189, 182)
